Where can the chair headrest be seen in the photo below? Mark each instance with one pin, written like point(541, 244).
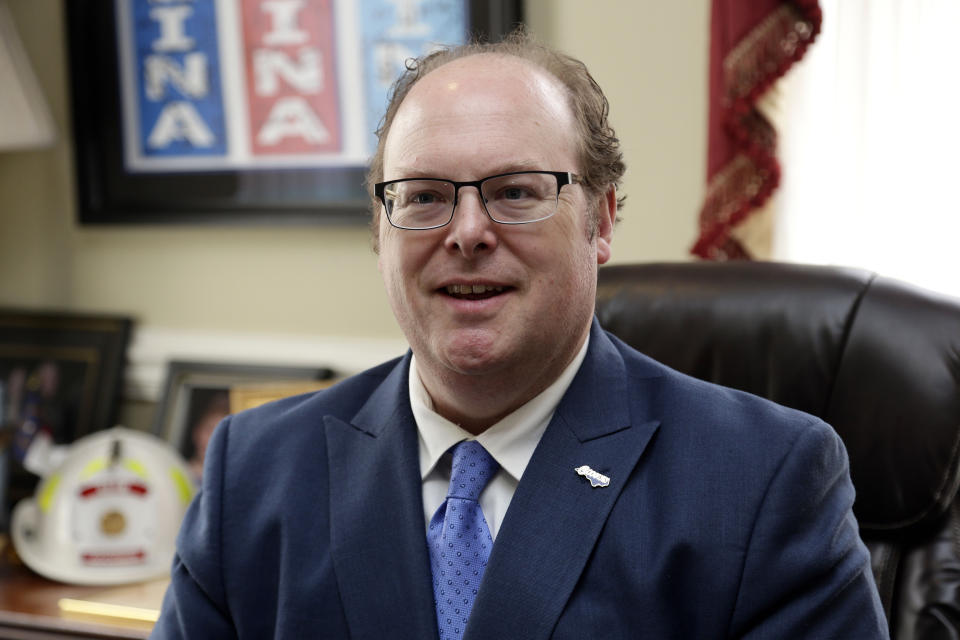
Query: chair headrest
point(876, 358)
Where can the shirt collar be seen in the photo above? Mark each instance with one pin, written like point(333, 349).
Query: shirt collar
point(511, 441)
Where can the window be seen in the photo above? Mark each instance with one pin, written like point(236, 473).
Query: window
point(870, 143)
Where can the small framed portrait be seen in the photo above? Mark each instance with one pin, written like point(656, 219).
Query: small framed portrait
point(60, 373)
point(197, 396)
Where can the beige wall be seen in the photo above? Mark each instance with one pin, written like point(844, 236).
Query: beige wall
point(649, 56)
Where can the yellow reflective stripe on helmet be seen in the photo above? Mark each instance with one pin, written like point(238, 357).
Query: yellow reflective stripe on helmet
point(92, 467)
point(183, 484)
point(137, 467)
point(45, 495)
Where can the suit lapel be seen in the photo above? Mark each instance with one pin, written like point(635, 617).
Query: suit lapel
point(378, 543)
point(556, 516)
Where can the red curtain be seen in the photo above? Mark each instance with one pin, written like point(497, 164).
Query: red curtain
point(752, 44)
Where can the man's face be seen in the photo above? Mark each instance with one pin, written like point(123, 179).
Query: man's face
point(472, 118)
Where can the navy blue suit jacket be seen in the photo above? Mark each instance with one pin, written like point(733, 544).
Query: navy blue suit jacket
point(726, 516)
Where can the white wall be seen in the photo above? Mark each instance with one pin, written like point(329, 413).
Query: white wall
point(651, 60)
point(321, 283)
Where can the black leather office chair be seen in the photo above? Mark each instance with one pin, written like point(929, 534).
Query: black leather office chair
point(876, 358)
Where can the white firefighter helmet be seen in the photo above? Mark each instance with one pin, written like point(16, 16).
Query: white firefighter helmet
point(108, 514)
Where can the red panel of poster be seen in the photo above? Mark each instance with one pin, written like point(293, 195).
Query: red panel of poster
point(291, 80)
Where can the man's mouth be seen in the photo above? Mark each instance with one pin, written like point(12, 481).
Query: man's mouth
point(473, 291)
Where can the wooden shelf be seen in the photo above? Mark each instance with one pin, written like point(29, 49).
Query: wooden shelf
point(29, 609)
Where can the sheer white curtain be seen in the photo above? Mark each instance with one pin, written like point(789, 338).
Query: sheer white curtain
point(869, 127)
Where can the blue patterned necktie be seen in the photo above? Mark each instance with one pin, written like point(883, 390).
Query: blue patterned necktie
point(459, 539)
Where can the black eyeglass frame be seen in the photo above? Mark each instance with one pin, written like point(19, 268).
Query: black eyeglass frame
point(563, 178)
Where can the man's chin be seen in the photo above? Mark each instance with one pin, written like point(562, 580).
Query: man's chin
point(474, 352)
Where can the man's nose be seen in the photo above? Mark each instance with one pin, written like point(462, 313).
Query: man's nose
point(471, 232)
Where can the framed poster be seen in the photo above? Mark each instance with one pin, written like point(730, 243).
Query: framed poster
point(243, 111)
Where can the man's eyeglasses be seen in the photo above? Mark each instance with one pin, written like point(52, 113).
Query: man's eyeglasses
point(519, 197)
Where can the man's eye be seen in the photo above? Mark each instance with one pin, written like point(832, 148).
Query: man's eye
point(515, 193)
point(424, 198)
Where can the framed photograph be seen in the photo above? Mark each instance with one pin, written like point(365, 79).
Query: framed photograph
point(59, 372)
point(247, 396)
point(244, 111)
point(196, 397)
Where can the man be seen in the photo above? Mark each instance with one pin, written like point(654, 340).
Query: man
point(604, 495)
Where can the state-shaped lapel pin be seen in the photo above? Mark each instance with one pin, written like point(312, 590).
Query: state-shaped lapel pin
point(596, 479)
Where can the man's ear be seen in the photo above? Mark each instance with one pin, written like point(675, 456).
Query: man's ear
point(376, 219)
point(606, 219)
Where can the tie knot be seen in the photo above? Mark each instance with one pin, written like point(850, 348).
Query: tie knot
point(472, 469)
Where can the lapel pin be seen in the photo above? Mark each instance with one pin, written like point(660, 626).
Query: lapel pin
point(596, 479)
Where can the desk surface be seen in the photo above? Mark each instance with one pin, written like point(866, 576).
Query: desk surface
point(29, 611)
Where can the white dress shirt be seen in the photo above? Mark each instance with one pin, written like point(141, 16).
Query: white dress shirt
point(510, 441)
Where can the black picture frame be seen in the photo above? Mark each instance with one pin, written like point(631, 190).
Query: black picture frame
point(193, 389)
point(64, 372)
point(108, 194)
